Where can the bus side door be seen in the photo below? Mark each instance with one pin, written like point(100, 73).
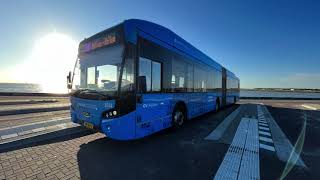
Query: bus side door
point(152, 105)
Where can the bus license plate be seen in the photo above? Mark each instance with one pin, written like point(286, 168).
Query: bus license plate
point(88, 125)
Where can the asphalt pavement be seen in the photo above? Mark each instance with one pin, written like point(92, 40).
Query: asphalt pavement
point(257, 139)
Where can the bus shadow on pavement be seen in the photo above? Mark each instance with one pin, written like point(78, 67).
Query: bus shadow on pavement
point(48, 138)
point(168, 154)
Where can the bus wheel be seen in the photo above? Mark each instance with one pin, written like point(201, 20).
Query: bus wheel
point(178, 117)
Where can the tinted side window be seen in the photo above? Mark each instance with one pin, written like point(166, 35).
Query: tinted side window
point(152, 71)
point(210, 80)
point(190, 78)
point(217, 79)
point(156, 76)
point(200, 80)
point(179, 76)
point(145, 70)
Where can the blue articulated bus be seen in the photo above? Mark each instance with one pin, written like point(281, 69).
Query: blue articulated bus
point(137, 78)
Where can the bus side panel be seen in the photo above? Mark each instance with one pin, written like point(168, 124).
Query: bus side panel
point(192, 105)
point(199, 103)
point(211, 101)
point(153, 114)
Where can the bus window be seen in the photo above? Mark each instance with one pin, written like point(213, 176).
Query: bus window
point(145, 70)
point(200, 80)
point(152, 71)
point(156, 76)
point(107, 76)
point(190, 78)
point(179, 73)
point(91, 76)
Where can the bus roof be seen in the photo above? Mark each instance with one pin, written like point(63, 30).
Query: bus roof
point(165, 37)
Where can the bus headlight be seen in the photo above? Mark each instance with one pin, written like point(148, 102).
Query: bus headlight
point(110, 114)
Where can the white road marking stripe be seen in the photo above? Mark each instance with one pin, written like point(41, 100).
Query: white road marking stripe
point(7, 136)
point(265, 139)
point(264, 128)
point(217, 133)
point(242, 158)
point(308, 107)
point(262, 124)
point(264, 133)
point(41, 122)
point(38, 129)
point(267, 147)
point(283, 146)
point(24, 132)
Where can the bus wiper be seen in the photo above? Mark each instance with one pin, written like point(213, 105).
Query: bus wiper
point(97, 92)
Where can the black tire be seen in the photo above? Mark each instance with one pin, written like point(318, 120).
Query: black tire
point(234, 100)
point(178, 116)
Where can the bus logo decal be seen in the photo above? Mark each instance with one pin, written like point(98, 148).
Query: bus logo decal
point(86, 114)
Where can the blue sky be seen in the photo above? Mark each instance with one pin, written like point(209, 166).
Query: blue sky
point(266, 43)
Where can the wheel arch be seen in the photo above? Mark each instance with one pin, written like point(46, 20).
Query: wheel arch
point(181, 104)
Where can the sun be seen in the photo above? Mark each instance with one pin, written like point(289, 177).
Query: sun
point(52, 57)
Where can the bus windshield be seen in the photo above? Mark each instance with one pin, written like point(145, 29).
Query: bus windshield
point(99, 70)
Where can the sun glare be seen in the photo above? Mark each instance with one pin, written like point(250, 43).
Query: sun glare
point(52, 57)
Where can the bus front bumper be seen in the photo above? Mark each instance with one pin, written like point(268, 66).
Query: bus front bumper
point(120, 128)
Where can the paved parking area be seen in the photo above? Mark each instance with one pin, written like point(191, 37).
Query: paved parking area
point(52, 160)
point(188, 153)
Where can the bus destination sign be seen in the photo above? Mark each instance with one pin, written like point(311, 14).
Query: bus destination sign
point(98, 43)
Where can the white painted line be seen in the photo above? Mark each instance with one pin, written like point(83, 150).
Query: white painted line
point(63, 125)
point(265, 139)
point(25, 132)
point(264, 133)
point(263, 124)
point(40, 122)
point(242, 158)
point(264, 128)
point(283, 146)
point(308, 107)
point(267, 147)
point(262, 121)
point(217, 133)
point(7, 136)
point(38, 129)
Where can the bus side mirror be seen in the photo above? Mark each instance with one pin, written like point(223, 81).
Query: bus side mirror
point(69, 86)
point(142, 84)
